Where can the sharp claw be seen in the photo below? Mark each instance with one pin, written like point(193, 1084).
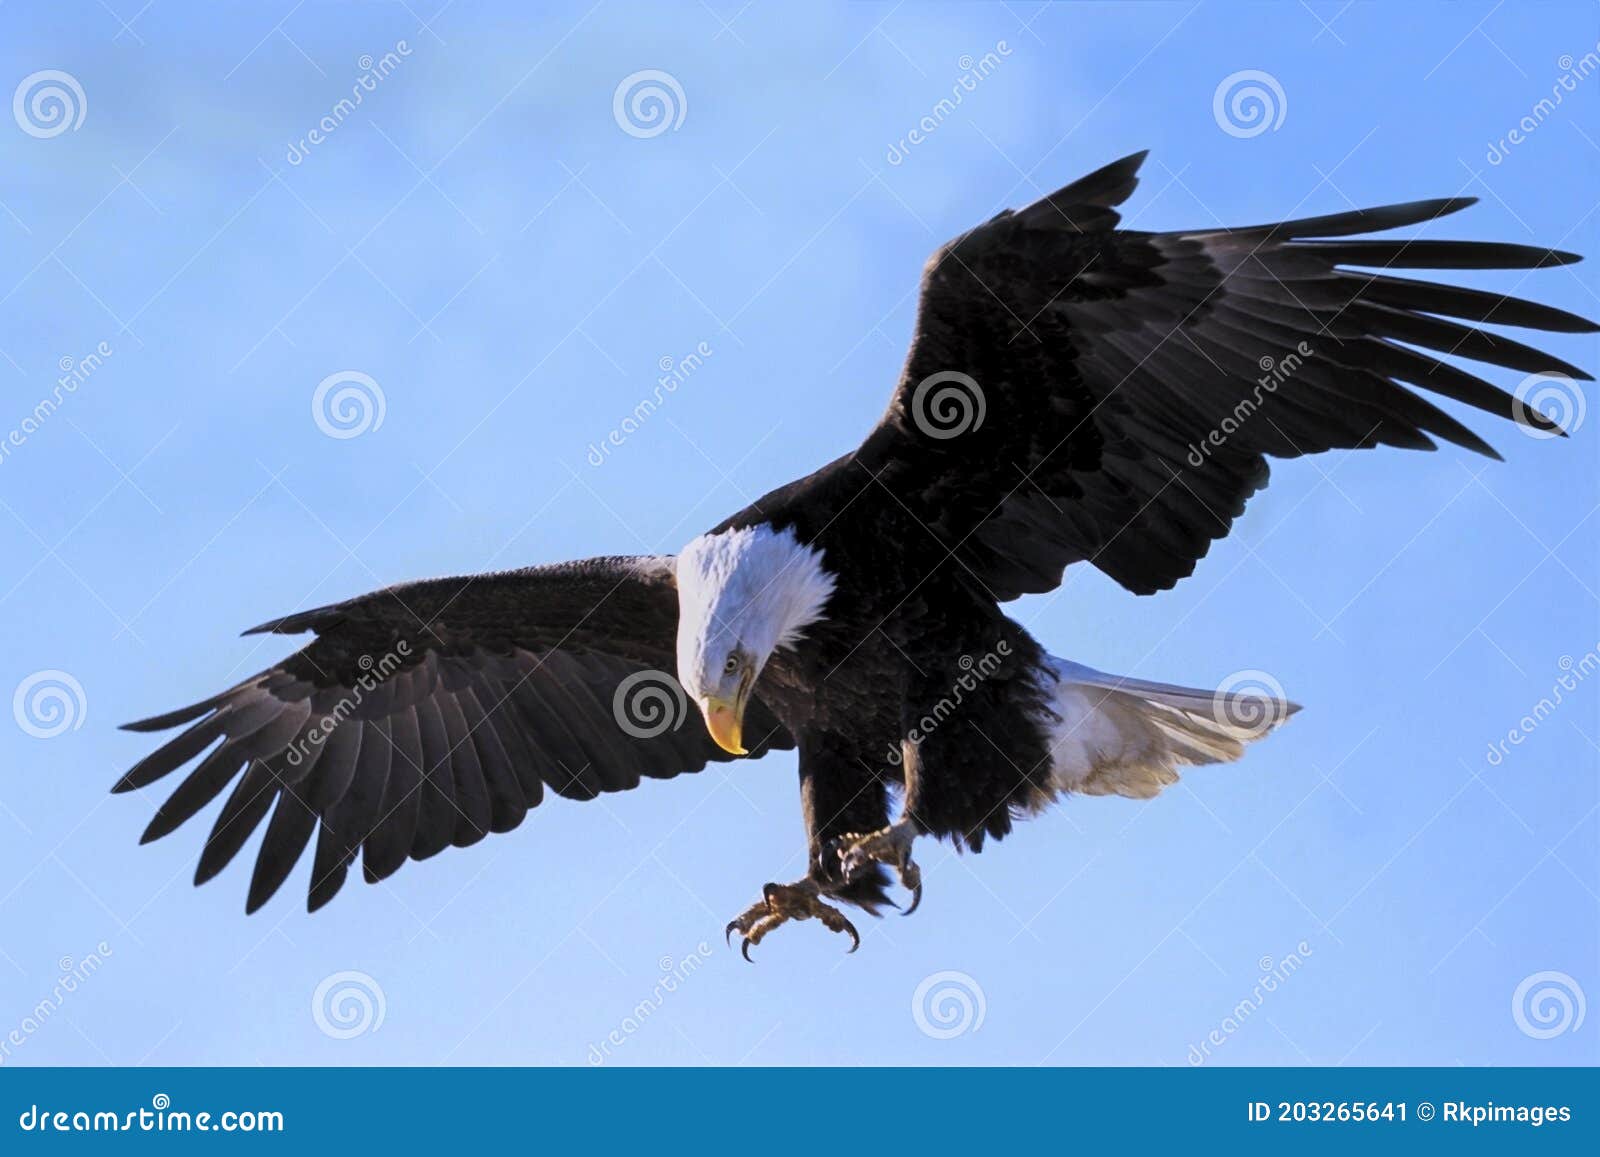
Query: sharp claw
point(916, 899)
point(781, 904)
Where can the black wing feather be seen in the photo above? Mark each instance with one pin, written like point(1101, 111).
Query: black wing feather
point(1106, 359)
point(472, 821)
point(246, 807)
point(390, 842)
point(506, 800)
point(288, 833)
point(427, 715)
point(437, 809)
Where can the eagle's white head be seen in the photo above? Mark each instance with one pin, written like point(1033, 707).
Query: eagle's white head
point(742, 594)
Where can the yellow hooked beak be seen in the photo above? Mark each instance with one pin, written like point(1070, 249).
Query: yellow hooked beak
point(725, 722)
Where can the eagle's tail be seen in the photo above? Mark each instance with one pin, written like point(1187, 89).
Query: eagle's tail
point(1118, 736)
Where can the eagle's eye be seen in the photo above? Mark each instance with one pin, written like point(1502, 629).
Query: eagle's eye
point(731, 665)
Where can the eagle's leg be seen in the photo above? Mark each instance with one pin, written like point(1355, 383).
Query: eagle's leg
point(859, 853)
point(841, 790)
point(781, 903)
point(890, 846)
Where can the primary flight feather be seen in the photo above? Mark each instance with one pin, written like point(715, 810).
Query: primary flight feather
point(1074, 392)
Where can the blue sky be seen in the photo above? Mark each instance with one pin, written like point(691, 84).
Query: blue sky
point(482, 239)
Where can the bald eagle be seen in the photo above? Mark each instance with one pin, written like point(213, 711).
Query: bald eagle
point(1075, 392)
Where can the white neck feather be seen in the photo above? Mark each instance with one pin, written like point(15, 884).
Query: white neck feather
point(754, 587)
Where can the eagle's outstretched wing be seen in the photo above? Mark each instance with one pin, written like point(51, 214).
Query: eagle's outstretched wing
point(1079, 392)
point(432, 713)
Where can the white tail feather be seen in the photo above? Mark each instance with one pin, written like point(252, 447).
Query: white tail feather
point(1120, 736)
